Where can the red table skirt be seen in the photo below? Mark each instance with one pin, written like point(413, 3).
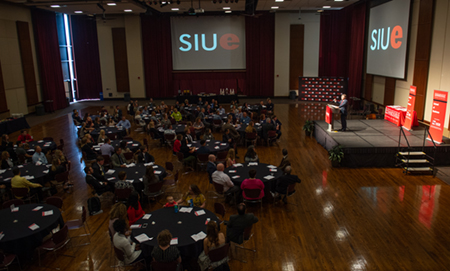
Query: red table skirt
point(397, 115)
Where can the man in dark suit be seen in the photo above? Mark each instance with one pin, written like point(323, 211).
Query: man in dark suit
point(238, 223)
point(99, 186)
point(285, 161)
point(281, 185)
point(266, 127)
point(261, 107)
point(211, 166)
point(203, 149)
point(269, 106)
point(343, 103)
point(144, 157)
point(87, 148)
point(99, 170)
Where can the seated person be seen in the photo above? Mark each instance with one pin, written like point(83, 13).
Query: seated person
point(250, 128)
point(231, 158)
point(21, 151)
point(5, 142)
point(170, 202)
point(124, 146)
point(277, 124)
point(221, 110)
point(77, 119)
point(245, 118)
point(122, 182)
point(102, 137)
point(269, 106)
point(99, 170)
point(144, 157)
point(99, 186)
point(107, 149)
point(88, 149)
point(39, 156)
point(124, 123)
point(118, 211)
point(188, 135)
point(24, 137)
point(251, 155)
point(285, 161)
point(266, 127)
point(211, 167)
point(131, 251)
point(203, 149)
point(208, 135)
point(238, 223)
point(56, 168)
point(118, 159)
point(280, 185)
point(177, 144)
point(164, 252)
point(21, 182)
point(228, 187)
point(214, 239)
point(169, 130)
point(6, 161)
point(134, 211)
point(176, 115)
point(195, 195)
point(149, 179)
point(252, 183)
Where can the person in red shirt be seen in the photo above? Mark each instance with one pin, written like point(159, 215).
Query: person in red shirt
point(134, 211)
point(170, 202)
point(24, 137)
point(177, 144)
point(252, 183)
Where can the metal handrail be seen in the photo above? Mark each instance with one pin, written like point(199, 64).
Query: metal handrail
point(407, 142)
point(427, 131)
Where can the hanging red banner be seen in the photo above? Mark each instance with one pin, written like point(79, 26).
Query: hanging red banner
point(438, 115)
point(410, 108)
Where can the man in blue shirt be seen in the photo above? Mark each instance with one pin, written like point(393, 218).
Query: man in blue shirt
point(106, 148)
point(124, 123)
point(221, 110)
point(203, 149)
point(245, 119)
point(39, 156)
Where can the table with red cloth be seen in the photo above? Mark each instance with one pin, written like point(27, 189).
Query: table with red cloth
point(397, 115)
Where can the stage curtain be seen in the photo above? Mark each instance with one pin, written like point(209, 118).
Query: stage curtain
point(260, 44)
point(157, 52)
point(87, 57)
point(46, 37)
point(209, 82)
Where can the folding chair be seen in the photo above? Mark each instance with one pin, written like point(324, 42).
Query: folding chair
point(15, 202)
point(254, 194)
point(7, 259)
point(246, 237)
point(271, 136)
point(218, 254)
point(122, 194)
point(219, 208)
point(78, 223)
point(251, 137)
point(58, 240)
point(154, 190)
point(55, 201)
point(120, 257)
point(222, 157)
point(172, 266)
point(202, 160)
point(23, 194)
point(171, 183)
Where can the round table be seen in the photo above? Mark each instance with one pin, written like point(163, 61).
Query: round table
point(241, 129)
point(120, 132)
point(147, 118)
point(133, 145)
point(223, 117)
point(44, 144)
point(166, 218)
point(19, 238)
point(261, 171)
point(211, 145)
point(38, 172)
point(136, 174)
point(179, 129)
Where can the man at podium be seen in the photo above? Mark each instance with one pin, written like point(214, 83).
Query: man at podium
point(343, 109)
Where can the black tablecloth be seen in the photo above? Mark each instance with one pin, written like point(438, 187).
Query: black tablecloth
point(43, 144)
point(211, 145)
point(136, 174)
point(109, 130)
point(27, 170)
point(193, 99)
point(19, 239)
point(133, 146)
point(241, 129)
point(13, 125)
point(261, 171)
point(179, 129)
point(223, 117)
point(166, 218)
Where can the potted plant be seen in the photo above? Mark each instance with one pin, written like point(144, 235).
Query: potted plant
point(336, 155)
point(308, 127)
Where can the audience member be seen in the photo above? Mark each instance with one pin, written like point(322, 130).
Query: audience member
point(169, 130)
point(21, 151)
point(39, 156)
point(124, 123)
point(131, 251)
point(124, 146)
point(194, 196)
point(122, 182)
point(261, 107)
point(211, 166)
point(149, 179)
point(6, 161)
point(166, 122)
point(102, 137)
point(208, 135)
point(176, 115)
point(245, 118)
point(177, 144)
point(170, 202)
point(285, 161)
point(118, 211)
point(266, 127)
point(277, 125)
point(214, 239)
point(99, 186)
point(188, 136)
point(118, 159)
point(251, 155)
point(56, 168)
point(21, 182)
point(24, 137)
point(234, 134)
point(229, 189)
point(188, 153)
point(280, 186)
point(230, 160)
point(269, 106)
point(99, 170)
point(252, 183)
point(5, 142)
point(107, 149)
point(134, 211)
point(86, 147)
point(238, 223)
point(164, 252)
point(144, 157)
point(203, 149)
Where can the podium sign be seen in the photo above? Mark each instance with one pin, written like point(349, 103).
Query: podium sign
point(329, 118)
point(328, 115)
point(410, 108)
point(438, 115)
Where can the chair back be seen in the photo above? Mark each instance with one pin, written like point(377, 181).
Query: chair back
point(145, 142)
point(103, 122)
point(219, 253)
point(107, 159)
point(169, 137)
point(248, 232)
point(62, 177)
point(290, 189)
point(22, 159)
point(272, 134)
point(20, 192)
point(219, 208)
point(218, 187)
point(217, 122)
point(252, 193)
point(180, 156)
point(169, 166)
point(155, 188)
point(264, 111)
point(128, 155)
point(250, 136)
point(83, 214)
point(122, 193)
point(159, 266)
point(48, 138)
point(15, 202)
point(222, 156)
point(203, 157)
point(111, 136)
point(55, 201)
point(119, 254)
point(60, 237)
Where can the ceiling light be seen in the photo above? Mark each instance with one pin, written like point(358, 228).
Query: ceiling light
point(128, 10)
point(227, 11)
point(326, 6)
point(320, 10)
point(275, 7)
point(338, 0)
point(226, 8)
point(163, 3)
point(55, 6)
point(78, 11)
point(279, 0)
point(111, 4)
point(175, 9)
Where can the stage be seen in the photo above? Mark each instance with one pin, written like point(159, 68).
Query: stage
point(374, 143)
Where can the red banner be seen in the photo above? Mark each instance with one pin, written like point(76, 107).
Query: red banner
point(328, 116)
point(438, 115)
point(410, 108)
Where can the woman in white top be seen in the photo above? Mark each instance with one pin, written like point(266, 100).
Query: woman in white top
point(131, 251)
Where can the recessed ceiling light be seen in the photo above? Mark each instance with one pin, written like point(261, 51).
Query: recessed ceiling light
point(227, 11)
point(279, 0)
point(175, 9)
point(226, 8)
point(78, 11)
point(55, 6)
point(275, 7)
point(111, 4)
point(338, 0)
point(163, 3)
point(326, 6)
point(128, 10)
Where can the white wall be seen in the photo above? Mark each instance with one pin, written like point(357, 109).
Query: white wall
point(283, 21)
point(11, 60)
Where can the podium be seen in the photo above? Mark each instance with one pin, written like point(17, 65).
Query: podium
point(329, 116)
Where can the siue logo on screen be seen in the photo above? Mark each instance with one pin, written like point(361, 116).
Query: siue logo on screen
point(380, 40)
point(227, 41)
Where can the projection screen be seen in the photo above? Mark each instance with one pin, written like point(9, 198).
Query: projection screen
point(388, 39)
point(208, 43)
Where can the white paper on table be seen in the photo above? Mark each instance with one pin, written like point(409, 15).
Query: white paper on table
point(47, 213)
point(271, 166)
point(217, 142)
point(112, 178)
point(38, 208)
point(155, 166)
point(194, 141)
point(149, 164)
point(130, 142)
point(232, 171)
point(20, 166)
point(131, 165)
point(101, 144)
point(273, 170)
point(15, 209)
point(141, 179)
point(40, 141)
point(38, 163)
point(174, 241)
point(129, 181)
point(200, 212)
point(235, 177)
point(208, 140)
point(238, 165)
point(199, 236)
point(49, 165)
point(257, 124)
point(33, 227)
point(2, 171)
point(30, 149)
point(269, 177)
point(29, 177)
point(185, 209)
point(157, 172)
point(223, 144)
point(146, 216)
point(143, 238)
point(189, 145)
point(2, 235)
point(45, 171)
point(135, 226)
point(135, 145)
point(97, 149)
point(252, 164)
point(96, 146)
point(111, 171)
point(216, 147)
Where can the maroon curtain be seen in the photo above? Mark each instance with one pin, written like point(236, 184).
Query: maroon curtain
point(50, 69)
point(157, 51)
point(87, 57)
point(260, 44)
point(342, 41)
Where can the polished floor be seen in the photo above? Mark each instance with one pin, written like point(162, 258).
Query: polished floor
point(343, 219)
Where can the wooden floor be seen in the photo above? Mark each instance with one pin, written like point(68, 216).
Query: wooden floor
point(345, 219)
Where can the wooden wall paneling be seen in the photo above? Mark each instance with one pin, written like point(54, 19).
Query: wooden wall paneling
point(297, 37)
point(423, 52)
point(3, 102)
point(368, 87)
point(26, 54)
point(120, 59)
point(389, 91)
